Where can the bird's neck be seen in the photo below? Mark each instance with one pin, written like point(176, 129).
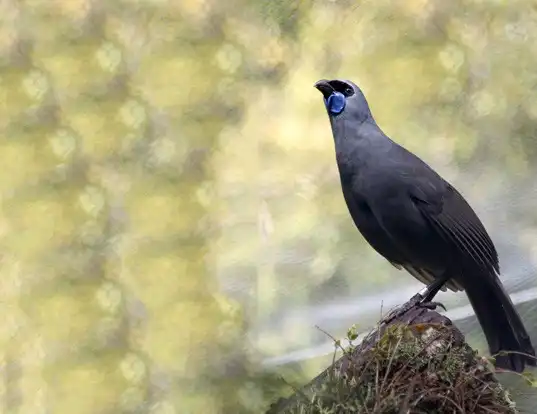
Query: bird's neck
point(358, 145)
point(350, 135)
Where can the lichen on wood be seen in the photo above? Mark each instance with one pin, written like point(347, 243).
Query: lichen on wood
point(416, 361)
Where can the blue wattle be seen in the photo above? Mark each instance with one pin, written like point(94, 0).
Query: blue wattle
point(336, 103)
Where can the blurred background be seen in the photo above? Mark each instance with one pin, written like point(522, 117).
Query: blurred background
point(172, 227)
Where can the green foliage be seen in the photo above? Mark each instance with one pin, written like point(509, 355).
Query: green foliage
point(352, 333)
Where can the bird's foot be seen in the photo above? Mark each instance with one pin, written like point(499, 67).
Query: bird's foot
point(417, 301)
point(400, 311)
point(428, 293)
point(431, 305)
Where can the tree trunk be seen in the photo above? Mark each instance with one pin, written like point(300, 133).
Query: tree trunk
point(416, 361)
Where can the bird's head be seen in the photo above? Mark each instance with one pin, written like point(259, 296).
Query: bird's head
point(343, 99)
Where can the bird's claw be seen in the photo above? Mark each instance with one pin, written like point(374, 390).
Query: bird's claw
point(431, 305)
point(417, 301)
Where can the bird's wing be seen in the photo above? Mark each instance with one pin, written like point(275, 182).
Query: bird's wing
point(376, 236)
point(458, 224)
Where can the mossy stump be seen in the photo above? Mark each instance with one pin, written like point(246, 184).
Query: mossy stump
point(416, 361)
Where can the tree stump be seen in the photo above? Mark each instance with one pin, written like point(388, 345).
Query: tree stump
point(416, 361)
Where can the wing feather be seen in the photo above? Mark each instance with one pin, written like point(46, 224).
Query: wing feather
point(461, 228)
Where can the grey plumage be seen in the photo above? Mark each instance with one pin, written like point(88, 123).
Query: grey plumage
point(418, 221)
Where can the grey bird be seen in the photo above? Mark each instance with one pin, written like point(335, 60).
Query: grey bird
point(419, 222)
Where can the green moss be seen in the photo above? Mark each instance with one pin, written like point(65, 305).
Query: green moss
point(417, 369)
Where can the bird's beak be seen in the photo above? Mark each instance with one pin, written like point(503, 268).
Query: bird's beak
point(325, 88)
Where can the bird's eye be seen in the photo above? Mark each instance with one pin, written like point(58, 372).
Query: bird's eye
point(349, 91)
point(336, 103)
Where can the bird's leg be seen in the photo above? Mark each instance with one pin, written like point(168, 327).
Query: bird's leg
point(421, 299)
point(428, 293)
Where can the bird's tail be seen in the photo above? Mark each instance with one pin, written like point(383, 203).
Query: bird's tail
point(502, 325)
